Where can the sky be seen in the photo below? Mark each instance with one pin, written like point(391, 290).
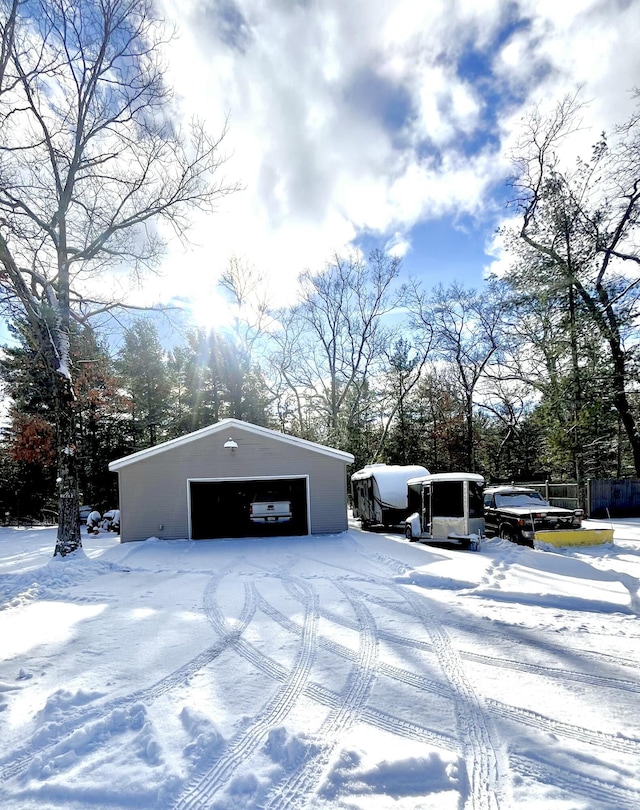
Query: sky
point(342, 672)
point(389, 125)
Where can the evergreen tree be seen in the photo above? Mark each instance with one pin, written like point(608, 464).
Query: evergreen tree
point(27, 469)
point(433, 433)
point(404, 369)
point(97, 410)
point(233, 387)
point(101, 416)
point(185, 366)
point(144, 375)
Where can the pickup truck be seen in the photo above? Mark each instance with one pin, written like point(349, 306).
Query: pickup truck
point(270, 511)
point(517, 513)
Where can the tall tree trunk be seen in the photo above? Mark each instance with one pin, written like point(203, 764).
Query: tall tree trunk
point(578, 458)
point(468, 439)
point(621, 403)
point(610, 327)
point(619, 381)
point(68, 539)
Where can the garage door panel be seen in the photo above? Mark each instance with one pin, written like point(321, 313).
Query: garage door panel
point(221, 508)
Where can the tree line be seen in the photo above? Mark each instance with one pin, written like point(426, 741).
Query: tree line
point(533, 375)
point(511, 380)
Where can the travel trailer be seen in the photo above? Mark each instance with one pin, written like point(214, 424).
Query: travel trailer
point(379, 493)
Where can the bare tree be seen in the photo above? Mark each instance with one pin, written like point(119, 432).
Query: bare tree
point(583, 220)
point(405, 361)
point(331, 340)
point(293, 382)
point(508, 403)
point(248, 295)
point(90, 162)
point(7, 35)
point(464, 326)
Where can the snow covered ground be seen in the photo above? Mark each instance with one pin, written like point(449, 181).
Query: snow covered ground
point(350, 671)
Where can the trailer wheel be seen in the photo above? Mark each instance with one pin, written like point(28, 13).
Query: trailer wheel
point(408, 533)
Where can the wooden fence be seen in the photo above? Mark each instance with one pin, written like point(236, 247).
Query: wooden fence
point(613, 497)
point(602, 498)
point(563, 494)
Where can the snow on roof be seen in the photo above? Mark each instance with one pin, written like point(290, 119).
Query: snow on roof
point(510, 488)
point(391, 480)
point(451, 476)
point(226, 425)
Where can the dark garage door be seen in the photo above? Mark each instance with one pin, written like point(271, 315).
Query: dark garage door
point(221, 508)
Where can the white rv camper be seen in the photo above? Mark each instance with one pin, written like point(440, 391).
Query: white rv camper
point(380, 495)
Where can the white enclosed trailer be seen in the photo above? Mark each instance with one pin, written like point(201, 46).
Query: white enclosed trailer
point(446, 508)
point(380, 495)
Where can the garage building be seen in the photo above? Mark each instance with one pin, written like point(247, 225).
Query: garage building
point(200, 486)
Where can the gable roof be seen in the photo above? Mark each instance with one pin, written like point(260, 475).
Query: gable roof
point(224, 426)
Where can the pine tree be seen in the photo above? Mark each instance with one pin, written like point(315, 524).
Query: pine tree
point(143, 372)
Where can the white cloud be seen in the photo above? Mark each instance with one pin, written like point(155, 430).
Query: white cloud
point(350, 118)
point(571, 45)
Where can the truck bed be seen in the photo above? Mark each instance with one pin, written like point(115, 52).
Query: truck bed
point(270, 511)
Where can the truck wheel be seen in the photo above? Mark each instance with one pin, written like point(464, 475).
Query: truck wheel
point(506, 534)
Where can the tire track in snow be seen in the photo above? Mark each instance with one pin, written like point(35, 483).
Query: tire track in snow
point(483, 758)
point(501, 710)
point(592, 787)
point(551, 672)
point(510, 556)
point(20, 759)
point(336, 702)
point(388, 670)
point(601, 739)
point(298, 787)
point(374, 717)
point(607, 795)
point(520, 666)
point(486, 762)
point(559, 672)
point(567, 730)
point(409, 731)
point(483, 755)
point(595, 655)
point(562, 650)
point(202, 790)
point(326, 697)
